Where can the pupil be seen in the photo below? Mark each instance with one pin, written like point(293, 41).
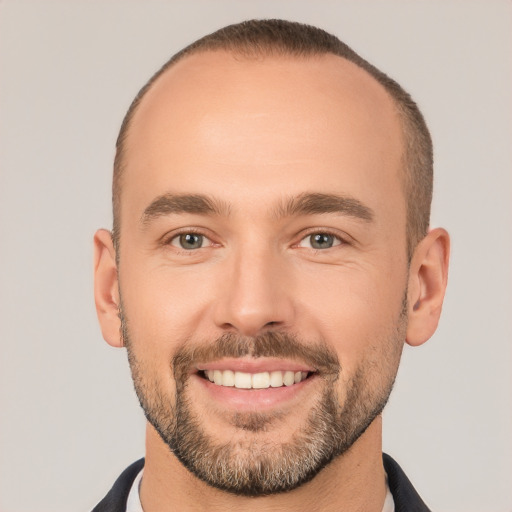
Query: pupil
point(321, 241)
point(191, 241)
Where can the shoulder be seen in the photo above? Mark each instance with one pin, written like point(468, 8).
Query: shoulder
point(115, 500)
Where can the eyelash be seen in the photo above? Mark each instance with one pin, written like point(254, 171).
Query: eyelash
point(194, 231)
point(166, 241)
point(339, 240)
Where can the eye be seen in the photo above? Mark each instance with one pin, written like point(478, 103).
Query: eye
point(190, 241)
point(320, 241)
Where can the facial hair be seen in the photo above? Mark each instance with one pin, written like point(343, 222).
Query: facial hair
point(247, 466)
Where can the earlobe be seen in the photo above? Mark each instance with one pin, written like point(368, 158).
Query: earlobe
point(106, 289)
point(428, 277)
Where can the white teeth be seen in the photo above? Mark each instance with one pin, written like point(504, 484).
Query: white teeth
point(217, 377)
point(228, 378)
point(276, 379)
point(288, 378)
point(263, 380)
point(243, 380)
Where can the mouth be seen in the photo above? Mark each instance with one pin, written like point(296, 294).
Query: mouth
point(248, 384)
point(260, 380)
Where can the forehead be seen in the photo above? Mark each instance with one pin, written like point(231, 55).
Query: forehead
point(257, 124)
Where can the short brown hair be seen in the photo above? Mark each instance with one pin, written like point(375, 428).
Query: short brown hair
point(279, 38)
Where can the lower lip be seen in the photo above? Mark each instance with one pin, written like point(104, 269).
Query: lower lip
point(254, 399)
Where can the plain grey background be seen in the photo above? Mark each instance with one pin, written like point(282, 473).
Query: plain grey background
point(69, 418)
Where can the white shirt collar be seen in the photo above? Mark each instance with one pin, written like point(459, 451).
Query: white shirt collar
point(133, 504)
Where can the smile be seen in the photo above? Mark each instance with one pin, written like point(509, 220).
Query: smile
point(261, 380)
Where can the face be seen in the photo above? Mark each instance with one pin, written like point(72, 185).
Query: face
point(263, 267)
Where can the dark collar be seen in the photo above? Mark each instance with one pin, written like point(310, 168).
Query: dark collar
point(404, 495)
point(115, 500)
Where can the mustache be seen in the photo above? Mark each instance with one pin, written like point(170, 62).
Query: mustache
point(269, 344)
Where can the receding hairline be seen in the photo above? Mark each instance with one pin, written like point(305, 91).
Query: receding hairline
point(157, 87)
point(266, 39)
point(237, 54)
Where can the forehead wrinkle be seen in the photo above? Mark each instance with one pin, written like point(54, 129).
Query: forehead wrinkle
point(319, 203)
point(198, 204)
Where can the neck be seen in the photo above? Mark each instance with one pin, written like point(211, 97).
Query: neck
point(353, 482)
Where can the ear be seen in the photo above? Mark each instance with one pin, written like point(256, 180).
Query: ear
point(428, 276)
point(106, 289)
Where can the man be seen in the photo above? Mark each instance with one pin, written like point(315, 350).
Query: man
point(269, 258)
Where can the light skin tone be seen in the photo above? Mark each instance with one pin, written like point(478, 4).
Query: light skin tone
point(257, 137)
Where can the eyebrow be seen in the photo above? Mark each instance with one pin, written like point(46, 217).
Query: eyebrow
point(317, 203)
point(198, 204)
point(304, 204)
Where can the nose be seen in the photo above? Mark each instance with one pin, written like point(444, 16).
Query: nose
point(255, 294)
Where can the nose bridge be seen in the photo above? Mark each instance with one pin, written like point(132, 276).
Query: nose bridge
point(255, 297)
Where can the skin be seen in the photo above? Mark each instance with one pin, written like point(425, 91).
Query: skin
point(253, 133)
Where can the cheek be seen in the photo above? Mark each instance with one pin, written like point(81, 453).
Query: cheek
point(163, 304)
point(356, 310)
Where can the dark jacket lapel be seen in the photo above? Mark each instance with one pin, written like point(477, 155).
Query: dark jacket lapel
point(404, 495)
point(115, 500)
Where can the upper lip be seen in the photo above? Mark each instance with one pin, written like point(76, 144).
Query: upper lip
point(252, 365)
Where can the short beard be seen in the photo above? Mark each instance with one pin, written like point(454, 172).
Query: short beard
point(248, 466)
